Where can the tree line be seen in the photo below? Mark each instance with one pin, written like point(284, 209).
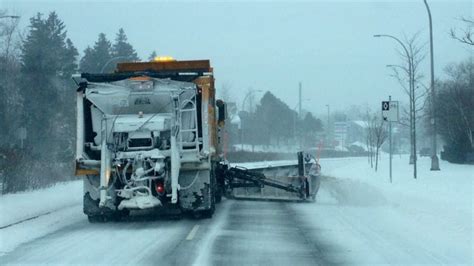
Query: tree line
point(36, 64)
point(454, 105)
point(37, 98)
point(273, 122)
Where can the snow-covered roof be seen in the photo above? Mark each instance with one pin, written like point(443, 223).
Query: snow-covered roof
point(361, 123)
point(235, 120)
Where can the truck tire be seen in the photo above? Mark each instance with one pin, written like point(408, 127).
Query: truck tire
point(96, 219)
point(218, 194)
point(114, 217)
point(95, 214)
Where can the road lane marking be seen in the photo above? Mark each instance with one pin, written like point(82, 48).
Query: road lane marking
point(35, 217)
point(193, 232)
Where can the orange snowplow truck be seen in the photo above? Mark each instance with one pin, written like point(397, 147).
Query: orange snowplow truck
point(148, 136)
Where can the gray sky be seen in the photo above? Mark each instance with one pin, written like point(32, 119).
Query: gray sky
point(327, 45)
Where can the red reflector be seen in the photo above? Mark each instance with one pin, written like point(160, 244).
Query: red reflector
point(159, 188)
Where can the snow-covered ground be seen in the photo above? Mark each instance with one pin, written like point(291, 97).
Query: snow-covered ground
point(428, 220)
point(359, 218)
point(51, 208)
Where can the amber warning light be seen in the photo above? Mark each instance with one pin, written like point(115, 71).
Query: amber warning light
point(164, 59)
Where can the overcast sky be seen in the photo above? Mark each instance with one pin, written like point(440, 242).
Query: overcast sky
point(327, 45)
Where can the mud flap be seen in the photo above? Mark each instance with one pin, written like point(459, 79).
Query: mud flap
point(91, 202)
point(196, 193)
point(91, 207)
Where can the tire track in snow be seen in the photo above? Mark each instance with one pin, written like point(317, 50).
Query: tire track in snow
point(36, 216)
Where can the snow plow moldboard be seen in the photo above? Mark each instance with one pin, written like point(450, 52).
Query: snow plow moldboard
point(298, 182)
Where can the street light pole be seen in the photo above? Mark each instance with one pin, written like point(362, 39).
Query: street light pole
point(412, 105)
point(328, 137)
point(9, 16)
point(111, 60)
point(434, 156)
point(297, 115)
point(411, 92)
point(390, 138)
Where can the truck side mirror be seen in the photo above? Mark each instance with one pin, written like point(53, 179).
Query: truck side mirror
point(222, 111)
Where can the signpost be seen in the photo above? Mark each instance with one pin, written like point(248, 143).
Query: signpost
point(22, 135)
point(390, 114)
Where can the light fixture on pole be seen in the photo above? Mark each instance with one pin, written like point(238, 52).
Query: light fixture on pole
point(7, 16)
point(412, 96)
point(434, 156)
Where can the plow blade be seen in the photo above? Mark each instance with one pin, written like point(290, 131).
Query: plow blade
point(289, 182)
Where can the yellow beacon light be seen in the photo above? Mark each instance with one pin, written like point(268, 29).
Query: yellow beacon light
point(164, 59)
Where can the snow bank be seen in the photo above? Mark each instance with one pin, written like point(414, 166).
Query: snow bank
point(266, 148)
point(428, 220)
point(54, 207)
point(19, 206)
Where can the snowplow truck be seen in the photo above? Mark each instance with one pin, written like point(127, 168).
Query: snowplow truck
point(149, 136)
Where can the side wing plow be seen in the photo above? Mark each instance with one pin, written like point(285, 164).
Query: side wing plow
point(285, 182)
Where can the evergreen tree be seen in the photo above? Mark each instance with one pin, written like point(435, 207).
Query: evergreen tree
point(98, 58)
point(122, 50)
point(46, 53)
point(47, 61)
point(310, 126)
point(152, 55)
point(70, 60)
point(87, 63)
point(277, 119)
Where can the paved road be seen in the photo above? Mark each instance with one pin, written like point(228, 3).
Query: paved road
point(240, 233)
point(351, 224)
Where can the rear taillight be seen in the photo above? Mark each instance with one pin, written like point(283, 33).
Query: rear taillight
point(159, 188)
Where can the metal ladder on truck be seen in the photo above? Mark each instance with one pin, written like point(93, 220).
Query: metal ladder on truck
point(188, 110)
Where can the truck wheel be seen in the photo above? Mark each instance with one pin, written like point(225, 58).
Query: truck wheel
point(218, 194)
point(96, 219)
point(112, 217)
point(95, 214)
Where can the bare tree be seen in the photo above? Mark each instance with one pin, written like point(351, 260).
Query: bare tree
point(380, 135)
point(11, 99)
point(225, 92)
point(466, 35)
point(377, 130)
point(369, 138)
point(461, 98)
point(415, 89)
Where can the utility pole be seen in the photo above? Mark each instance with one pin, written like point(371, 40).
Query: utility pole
point(390, 138)
point(434, 156)
point(299, 110)
point(328, 130)
point(299, 106)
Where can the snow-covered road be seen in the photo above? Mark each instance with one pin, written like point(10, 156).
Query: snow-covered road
point(354, 221)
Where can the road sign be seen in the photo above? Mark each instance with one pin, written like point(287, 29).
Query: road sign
point(390, 111)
